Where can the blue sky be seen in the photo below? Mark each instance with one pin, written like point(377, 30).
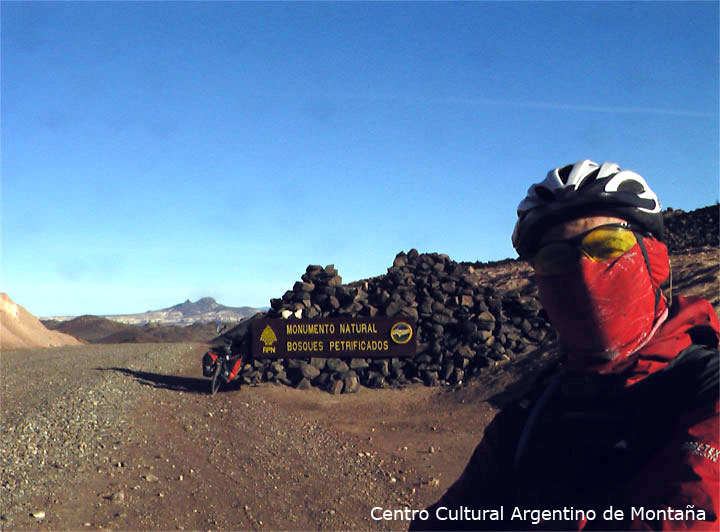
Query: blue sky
point(153, 152)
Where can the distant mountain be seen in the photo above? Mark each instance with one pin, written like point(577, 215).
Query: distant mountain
point(203, 310)
point(201, 306)
point(95, 329)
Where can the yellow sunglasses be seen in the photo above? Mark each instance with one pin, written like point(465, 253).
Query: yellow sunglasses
point(601, 243)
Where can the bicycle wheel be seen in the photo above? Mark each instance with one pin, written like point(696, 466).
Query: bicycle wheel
point(215, 382)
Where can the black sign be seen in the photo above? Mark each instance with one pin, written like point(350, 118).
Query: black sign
point(334, 338)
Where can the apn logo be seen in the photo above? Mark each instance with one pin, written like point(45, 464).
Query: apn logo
point(401, 333)
point(268, 338)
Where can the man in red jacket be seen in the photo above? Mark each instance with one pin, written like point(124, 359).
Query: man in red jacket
point(624, 435)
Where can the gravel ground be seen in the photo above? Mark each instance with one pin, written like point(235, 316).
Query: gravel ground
point(62, 415)
point(126, 437)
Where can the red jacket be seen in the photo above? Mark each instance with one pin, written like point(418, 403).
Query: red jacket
point(643, 442)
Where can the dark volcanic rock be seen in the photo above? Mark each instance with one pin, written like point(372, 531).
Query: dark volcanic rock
point(309, 371)
point(336, 387)
point(455, 316)
point(351, 384)
point(304, 384)
point(336, 365)
point(686, 230)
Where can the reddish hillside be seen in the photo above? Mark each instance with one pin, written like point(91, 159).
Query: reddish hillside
point(88, 327)
point(19, 329)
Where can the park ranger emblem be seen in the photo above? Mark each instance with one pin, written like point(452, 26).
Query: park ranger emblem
point(401, 333)
point(268, 338)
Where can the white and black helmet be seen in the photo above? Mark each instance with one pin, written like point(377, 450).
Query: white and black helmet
point(582, 189)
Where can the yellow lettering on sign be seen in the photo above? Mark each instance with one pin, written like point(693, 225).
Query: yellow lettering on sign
point(309, 328)
point(358, 328)
point(303, 346)
point(359, 345)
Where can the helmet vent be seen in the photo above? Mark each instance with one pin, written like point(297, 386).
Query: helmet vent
point(589, 179)
point(564, 173)
point(631, 186)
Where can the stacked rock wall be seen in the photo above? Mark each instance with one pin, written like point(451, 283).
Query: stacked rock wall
point(462, 326)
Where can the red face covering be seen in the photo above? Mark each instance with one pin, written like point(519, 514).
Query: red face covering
point(605, 311)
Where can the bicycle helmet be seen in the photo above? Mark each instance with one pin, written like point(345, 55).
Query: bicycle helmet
point(584, 189)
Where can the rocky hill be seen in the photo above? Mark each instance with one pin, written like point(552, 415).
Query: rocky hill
point(203, 310)
point(693, 229)
point(89, 328)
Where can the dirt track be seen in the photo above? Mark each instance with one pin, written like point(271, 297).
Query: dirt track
point(126, 437)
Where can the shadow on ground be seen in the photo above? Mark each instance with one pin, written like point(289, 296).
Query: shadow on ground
point(169, 382)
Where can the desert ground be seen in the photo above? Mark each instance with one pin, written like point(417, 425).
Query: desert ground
point(126, 437)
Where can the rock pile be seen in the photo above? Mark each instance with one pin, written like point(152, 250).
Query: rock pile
point(462, 325)
point(686, 230)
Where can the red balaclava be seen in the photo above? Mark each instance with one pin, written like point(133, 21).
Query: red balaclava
point(606, 311)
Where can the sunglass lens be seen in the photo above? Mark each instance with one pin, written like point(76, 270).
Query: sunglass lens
point(607, 243)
